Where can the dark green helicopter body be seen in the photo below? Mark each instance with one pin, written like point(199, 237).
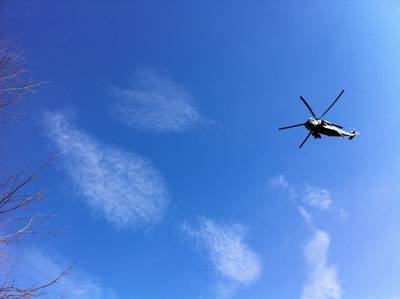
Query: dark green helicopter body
point(318, 126)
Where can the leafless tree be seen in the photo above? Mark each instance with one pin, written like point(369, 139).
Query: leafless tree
point(17, 193)
point(14, 84)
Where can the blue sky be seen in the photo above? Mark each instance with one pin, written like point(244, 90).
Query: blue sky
point(173, 180)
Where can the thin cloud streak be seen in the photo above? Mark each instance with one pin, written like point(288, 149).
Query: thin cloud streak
point(125, 187)
point(231, 257)
point(306, 216)
point(322, 282)
point(155, 102)
point(315, 197)
point(279, 182)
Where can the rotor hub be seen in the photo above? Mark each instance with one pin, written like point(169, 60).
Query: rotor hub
point(312, 122)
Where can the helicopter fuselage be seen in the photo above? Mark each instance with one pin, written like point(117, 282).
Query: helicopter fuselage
point(319, 127)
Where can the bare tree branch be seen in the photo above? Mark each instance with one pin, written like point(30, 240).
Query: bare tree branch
point(16, 192)
point(14, 85)
point(11, 198)
point(12, 292)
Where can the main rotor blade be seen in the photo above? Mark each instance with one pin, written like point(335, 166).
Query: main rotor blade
point(308, 106)
point(294, 126)
point(334, 102)
point(301, 145)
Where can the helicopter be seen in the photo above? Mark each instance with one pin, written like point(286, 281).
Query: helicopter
point(318, 126)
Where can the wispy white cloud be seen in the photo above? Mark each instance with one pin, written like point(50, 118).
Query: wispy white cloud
point(34, 267)
point(278, 182)
point(155, 102)
point(125, 187)
point(231, 257)
point(306, 216)
point(342, 213)
point(318, 198)
point(322, 282)
point(314, 197)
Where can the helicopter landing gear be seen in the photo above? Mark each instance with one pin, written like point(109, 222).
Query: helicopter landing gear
point(316, 135)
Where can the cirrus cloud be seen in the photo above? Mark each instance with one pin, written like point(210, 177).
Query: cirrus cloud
point(155, 102)
point(318, 198)
point(125, 187)
point(322, 282)
point(230, 255)
point(315, 197)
